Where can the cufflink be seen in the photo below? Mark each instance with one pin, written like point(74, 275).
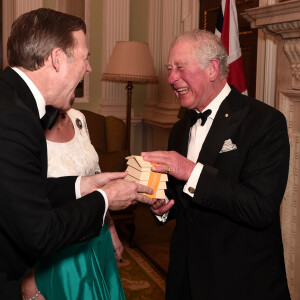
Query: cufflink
point(191, 190)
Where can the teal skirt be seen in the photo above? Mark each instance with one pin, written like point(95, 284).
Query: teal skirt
point(86, 270)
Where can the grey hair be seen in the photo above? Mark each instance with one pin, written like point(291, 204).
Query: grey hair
point(206, 46)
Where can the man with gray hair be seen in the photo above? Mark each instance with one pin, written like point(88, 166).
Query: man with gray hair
point(228, 161)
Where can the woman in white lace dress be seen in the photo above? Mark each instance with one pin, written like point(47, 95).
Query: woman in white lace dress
point(86, 270)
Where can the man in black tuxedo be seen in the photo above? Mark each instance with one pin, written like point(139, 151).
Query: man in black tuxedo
point(48, 57)
point(228, 172)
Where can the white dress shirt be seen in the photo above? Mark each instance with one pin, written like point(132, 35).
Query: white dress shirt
point(38, 97)
point(197, 137)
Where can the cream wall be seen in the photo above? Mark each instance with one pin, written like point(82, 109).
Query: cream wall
point(138, 31)
point(95, 47)
point(139, 11)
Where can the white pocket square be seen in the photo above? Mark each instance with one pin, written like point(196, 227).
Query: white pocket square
point(228, 146)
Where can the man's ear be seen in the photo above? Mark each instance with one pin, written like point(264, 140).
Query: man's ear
point(214, 69)
point(55, 58)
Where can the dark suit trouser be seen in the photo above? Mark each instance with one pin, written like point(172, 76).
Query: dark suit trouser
point(185, 288)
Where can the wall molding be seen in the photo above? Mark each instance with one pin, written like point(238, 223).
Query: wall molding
point(281, 20)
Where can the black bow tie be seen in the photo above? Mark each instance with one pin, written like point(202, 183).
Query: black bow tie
point(50, 117)
point(202, 115)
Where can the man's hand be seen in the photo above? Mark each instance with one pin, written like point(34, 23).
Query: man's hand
point(122, 193)
point(92, 183)
point(171, 163)
point(160, 207)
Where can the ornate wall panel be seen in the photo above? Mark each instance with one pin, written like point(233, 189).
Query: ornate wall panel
point(289, 104)
point(115, 20)
point(282, 21)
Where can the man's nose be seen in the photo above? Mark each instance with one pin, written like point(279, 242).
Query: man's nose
point(88, 68)
point(173, 76)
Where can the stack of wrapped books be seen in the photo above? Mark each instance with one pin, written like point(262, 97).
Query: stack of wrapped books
point(140, 172)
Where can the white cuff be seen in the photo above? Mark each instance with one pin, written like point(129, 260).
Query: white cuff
point(78, 195)
point(164, 217)
point(191, 184)
point(106, 204)
point(77, 187)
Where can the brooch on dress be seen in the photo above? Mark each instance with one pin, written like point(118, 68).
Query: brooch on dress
point(78, 123)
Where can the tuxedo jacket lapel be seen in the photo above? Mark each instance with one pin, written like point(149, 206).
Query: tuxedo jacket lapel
point(227, 120)
point(180, 143)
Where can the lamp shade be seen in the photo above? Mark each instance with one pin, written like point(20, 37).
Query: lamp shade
point(130, 61)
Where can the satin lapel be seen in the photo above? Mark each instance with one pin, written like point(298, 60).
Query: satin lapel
point(182, 136)
point(225, 123)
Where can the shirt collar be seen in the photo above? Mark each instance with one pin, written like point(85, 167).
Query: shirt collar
point(215, 104)
point(38, 97)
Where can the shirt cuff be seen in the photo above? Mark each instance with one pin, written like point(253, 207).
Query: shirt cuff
point(78, 195)
point(106, 204)
point(77, 187)
point(164, 217)
point(191, 184)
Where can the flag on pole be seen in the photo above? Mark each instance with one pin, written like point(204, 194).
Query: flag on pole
point(228, 29)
